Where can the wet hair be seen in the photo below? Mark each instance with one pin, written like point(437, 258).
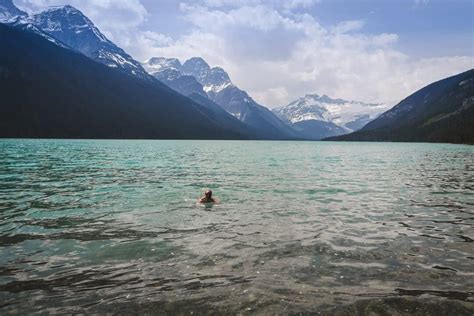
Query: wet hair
point(208, 192)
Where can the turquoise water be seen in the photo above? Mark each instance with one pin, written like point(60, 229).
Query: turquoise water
point(302, 227)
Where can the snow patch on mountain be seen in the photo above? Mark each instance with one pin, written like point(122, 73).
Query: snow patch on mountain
point(347, 114)
point(157, 64)
point(216, 88)
point(23, 22)
point(213, 80)
point(67, 19)
point(198, 68)
point(116, 59)
point(196, 76)
point(25, 25)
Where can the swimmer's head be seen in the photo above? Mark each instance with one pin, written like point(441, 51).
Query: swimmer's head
point(208, 193)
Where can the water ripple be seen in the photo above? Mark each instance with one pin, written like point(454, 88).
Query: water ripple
point(303, 227)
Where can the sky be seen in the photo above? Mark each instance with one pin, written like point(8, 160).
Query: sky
point(377, 51)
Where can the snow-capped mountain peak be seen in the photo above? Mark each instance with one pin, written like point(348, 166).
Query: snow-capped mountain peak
point(351, 115)
point(71, 27)
point(67, 18)
point(195, 76)
point(303, 109)
point(11, 15)
point(198, 68)
point(170, 72)
point(213, 79)
point(217, 79)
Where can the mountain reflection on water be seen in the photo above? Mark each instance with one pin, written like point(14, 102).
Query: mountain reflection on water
point(302, 227)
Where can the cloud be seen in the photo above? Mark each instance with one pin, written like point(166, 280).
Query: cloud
point(421, 2)
point(286, 4)
point(278, 56)
point(251, 33)
point(111, 16)
point(348, 26)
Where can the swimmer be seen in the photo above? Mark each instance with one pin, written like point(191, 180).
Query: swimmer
point(207, 198)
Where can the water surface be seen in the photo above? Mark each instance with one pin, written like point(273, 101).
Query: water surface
point(302, 227)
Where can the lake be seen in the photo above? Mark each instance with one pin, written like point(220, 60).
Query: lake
point(97, 226)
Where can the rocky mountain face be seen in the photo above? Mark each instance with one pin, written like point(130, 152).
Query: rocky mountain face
point(440, 112)
point(195, 76)
point(195, 70)
point(170, 72)
point(318, 117)
point(11, 15)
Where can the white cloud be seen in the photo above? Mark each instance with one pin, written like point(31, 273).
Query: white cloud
point(259, 17)
point(277, 56)
point(286, 4)
point(348, 26)
point(111, 16)
point(291, 4)
point(421, 2)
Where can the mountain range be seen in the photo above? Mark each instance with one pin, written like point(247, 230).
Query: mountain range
point(61, 77)
point(310, 117)
point(53, 92)
point(195, 76)
point(318, 117)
